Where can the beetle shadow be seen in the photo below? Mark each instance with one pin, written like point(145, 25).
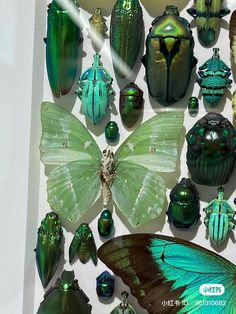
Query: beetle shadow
point(220, 247)
point(188, 234)
point(159, 8)
point(105, 6)
point(108, 300)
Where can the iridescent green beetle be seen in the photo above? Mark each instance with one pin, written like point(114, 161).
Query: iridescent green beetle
point(105, 223)
point(126, 32)
point(208, 14)
point(169, 57)
point(219, 218)
point(183, 210)
point(62, 47)
point(95, 90)
point(83, 245)
point(65, 297)
point(49, 247)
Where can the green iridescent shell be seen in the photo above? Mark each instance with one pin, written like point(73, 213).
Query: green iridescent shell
point(208, 15)
point(169, 57)
point(62, 48)
point(219, 218)
point(105, 285)
point(126, 31)
point(193, 106)
point(83, 245)
point(105, 223)
point(65, 297)
point(111, 131)
point(49, 247)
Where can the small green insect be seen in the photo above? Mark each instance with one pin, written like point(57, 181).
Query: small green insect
point(105, 283)
point(83, 245)
point(65, 297)
point(111, 131)
point(124, 307)
point(49, 247)
point(219, 218)
point(193, 106)
point(105, 223)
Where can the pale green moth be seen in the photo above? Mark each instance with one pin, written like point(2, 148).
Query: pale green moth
point(130, 175)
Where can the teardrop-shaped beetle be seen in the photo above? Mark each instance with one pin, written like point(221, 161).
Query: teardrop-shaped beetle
point(105, 285)
point(211, 151)
point(131, 104)
point(49, 247)
point(208, 14)
point(105, 223)
point(219, 218)
point(95, 90)
point(183, 210)
point(124, 307)
point(83, 245)
point(214, 78)
point(62, 47)
point(98, 29)
point(169, 57)
point(65, 297)
point(232, 35)
point(126, 32)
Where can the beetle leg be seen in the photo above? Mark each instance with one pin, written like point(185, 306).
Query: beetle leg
point(231, 225)
point(206, 222)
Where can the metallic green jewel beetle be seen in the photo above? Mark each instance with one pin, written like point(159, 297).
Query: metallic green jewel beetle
point(105, 223)
point(126, 32)
point(111, 131)
point(65, 297)
point(49, 247)
point(62, 48)
point(98, 29)
point(124, 307)
point(208, 14)
point(214, 78)
point(83, 245)
point(95, 90)
point(169, 57)
point(219, 218)
point(183, 210)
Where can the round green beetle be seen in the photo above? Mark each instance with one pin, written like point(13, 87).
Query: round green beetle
point(183, 210)
point(105, 223)
point(111, 131)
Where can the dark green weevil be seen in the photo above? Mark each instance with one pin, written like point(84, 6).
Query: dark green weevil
point(169, 57)
point(208, 14)
point(83, 245)
point(49, 247)
point(183, 210)
point(62, 47)
point(65, 297)
point(126, 32)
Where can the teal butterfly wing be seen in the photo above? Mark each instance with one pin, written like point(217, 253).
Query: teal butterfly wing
point(138, 190)
point(165, 273)
point(75, 185)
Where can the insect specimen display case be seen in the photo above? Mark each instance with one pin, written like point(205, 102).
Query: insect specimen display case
point(200, 65)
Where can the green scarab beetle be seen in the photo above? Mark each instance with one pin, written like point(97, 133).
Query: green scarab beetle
point(208, 14)
point(124, 307)
point(83, 245)
point(105, 285)
point(126, 32)
point(211, 152)
point(105, 223)
point(193, 106)
point(62, 47)
point(183, 210)
point(219, 218)
point(98, 29)
point(169, 57)
point(65, 297)
point(95, 90)
point(131, 104)
point(49, 247)
point(111, 131)
point(214, 78)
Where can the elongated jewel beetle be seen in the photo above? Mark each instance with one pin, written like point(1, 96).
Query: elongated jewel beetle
point(105, 223)
point(214, 78)
point(169, 57)
point(65, 297)
point(95, 90)
point(83, 245)
point(183, 210)
point(131, 104)
point(49, 247)
point(232, 35)
point(105, 285)
point(124, 307)
point(126, 32)
point(211, 152)
point(98, 28)
point(62, 48)
point(219, 218)
point(208, 14)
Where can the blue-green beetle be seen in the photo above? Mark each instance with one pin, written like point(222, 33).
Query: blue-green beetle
point(214, 78)
point(62, 47)
point(95, 90)
point(208, 14)
point(169, 57)
point(219, 218)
